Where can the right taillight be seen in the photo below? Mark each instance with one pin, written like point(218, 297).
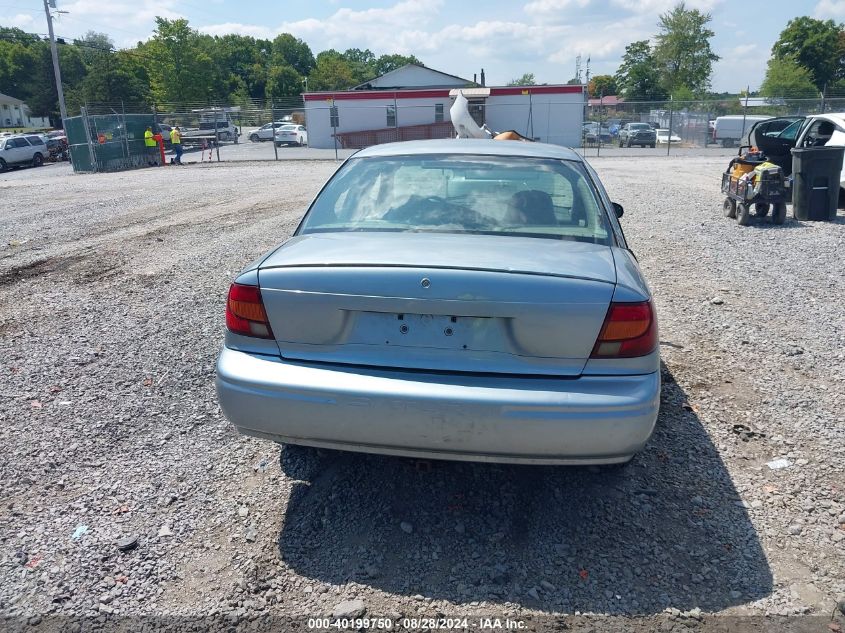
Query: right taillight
point(629, 330)
point(245, 312)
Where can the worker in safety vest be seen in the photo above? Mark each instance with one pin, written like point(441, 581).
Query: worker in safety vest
point(176, 142)
point(150, 147)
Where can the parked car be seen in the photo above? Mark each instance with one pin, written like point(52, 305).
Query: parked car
point(664, 137)
point(456, 299)
point(265, 132)
point(591, 132)
point(732, 130)
point(57, 148)
point(641, 134)
point(16, 151)
point(777, 136)
point(291, 134)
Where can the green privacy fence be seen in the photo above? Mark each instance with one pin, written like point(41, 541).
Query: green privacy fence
point(108, 142)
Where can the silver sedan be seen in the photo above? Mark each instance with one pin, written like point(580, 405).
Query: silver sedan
point(456, 299)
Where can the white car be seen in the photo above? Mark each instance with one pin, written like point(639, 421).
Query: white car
point(291, 134)
point(16, 151)
point(265, 132)
point(777, 136)
point(663, 137)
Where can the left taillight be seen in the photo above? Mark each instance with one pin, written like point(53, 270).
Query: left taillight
point(245, 313)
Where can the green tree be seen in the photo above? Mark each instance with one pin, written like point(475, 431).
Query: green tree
point(72, 63)
point(361, 63)
point(293, 52)
point(683, 94)
point(332, 71)
point(283, 81)
point(91, 46)
point(682, 52)
point(243, 64)
point(16, 63)
point(785, 77)
point(602, 85)
point(386, 63)
point(638, 78)
point(18, 36)
point(26, 70)
point(113, 79)
point(39, 90)
point(817, 45)
point(181, 71)
point(527, 79)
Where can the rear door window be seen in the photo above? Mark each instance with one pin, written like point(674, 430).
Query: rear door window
point(790, 133)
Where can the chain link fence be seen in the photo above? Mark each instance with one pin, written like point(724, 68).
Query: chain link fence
point(690, 125)
point(252, 130)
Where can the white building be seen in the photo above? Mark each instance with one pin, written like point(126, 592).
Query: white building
point(14, 113)
point(413, 102)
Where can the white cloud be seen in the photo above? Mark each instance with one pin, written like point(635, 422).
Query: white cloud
point(742, 49)
point(827, 9)
point(497, 45)
point(602, 41)
point(126, 21)
point(237, 28)
point(19, 20)
point(543, 7)
point(380, 29)
point(660, 6)
point(126, 10)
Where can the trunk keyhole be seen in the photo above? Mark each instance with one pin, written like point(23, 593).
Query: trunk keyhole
point(448, 331)
point(403, 328)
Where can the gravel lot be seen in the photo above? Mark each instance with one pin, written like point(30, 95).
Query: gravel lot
point(112, 292)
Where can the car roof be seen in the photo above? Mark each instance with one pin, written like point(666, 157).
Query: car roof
point(485, 147)
point(836, 117)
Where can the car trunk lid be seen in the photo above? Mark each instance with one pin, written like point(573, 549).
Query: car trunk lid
point(492, 304)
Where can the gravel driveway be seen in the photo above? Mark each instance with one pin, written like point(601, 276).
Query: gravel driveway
point(112, 292)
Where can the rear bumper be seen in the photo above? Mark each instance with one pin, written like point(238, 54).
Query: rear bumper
point(587, 420)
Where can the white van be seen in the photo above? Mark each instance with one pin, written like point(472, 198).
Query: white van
point(729, 129)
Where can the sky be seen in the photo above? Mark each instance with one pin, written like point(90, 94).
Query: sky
point(504, 37)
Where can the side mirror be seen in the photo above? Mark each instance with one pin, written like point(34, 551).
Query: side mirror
point(620, 211)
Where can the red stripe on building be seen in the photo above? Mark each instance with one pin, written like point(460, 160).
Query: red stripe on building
point(436, 94)
point(377, 94)
point(536, 90)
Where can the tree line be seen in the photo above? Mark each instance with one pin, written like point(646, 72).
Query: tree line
point(178, 66)
point(807, 60)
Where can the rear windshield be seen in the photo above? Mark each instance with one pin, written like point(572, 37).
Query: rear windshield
point(526, 197)
point(640, 126)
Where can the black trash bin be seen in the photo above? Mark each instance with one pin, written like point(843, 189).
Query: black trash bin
point(815, 182)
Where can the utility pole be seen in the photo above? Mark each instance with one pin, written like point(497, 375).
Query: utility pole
point(55, 52)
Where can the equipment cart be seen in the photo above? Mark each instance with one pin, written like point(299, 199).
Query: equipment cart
point(747, 186)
